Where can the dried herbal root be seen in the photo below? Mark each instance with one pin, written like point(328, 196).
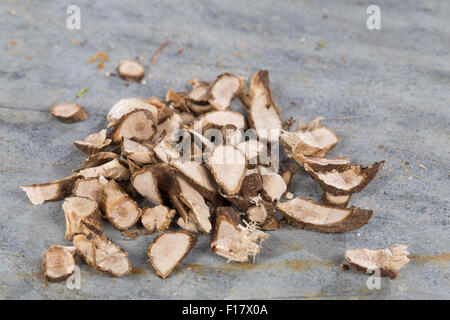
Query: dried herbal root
point(59, 263)
point(168, 249)
point(118, 207)
point(177, 100)
point(187, 225)
point(322, 164)
point(157, 218)
point(335, 201)
point(53, 190)
point(131, 70)
point(164, 152)
point(146, 184)
point(89, 188)
point(263, 113)
point(101, 254)
point(138, 153)
point(228, 166)
point(232, 240)
point(273, 185)
point(68, 112)
point(347, 180)
point(387, 261)
point(290, 170)
point(222, 91)
point(80, 211)
point(93, 143)
point(265, 215)
point(254, 150)
point(125, 106)
point(112, 170)
point(219, 119)
point(307, 214)
point(199, 92)
point(138, 124)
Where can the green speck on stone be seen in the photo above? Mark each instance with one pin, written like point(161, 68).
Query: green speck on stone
point(322, 43)
point(82, 92)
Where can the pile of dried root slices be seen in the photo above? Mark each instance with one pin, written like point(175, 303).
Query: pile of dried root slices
point(137, 177)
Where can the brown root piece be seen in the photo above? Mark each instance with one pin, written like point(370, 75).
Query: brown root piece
point(131, 70)
point(165, 152)
point(222, 91)
point(313, 141)
point(252, 184)
point(138, 153)
point(263, 113)
point(102, 254)
point(290, 170)
point(168, 128)
point(89, 188)
point(219, 119)
point(168, 249)
point(59, 263)
point(199, 92)
point(80, 211)
point(228, 166)
point(265, 215)
point(146, 184)
point(112, 170)
point(307, 214)
point(188, 225)
point(232, 240)
point(322, 164)
point(347, 180)
point(53, 190)
point(273, 185)
point(199, 109)
point(157, 218)
point(100, 158)
point(138, 124)
point(125, 106)
point(68, 112)
point(177, 100)
point(388, 261)
point(118, 207)
point(335, 201)
point(93, 143)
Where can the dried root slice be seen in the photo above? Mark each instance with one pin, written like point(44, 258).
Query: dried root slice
point(138, 124)
point(252, 184)
point(177, 100)
point(146, 184)
point(118, 207)
point(165, 152)
point(265, 215)
point(222, 91)
point(53, 190)
point(219, 119)
point(157, 218)
point(199, 92)
point(290, 170)
point(309, 215)
point(273, 185)
point(228, 166)
point(125, 106)
point(100, 158)
point(335, 201)
point(232, 240)
point(112, 170)
point(80, 211)
point(314, 142)
point(89, 188)
point(102, 254)
point(68, 112)
point(347, 180)
point(187, 118)
point(93, 143)
point(168, 129)
point(254, 151)
point(138, 153)
point(389, 261)
point(263, 113)
point(168, 249)
point(131, 70)
point(187, 224)
point(198, 209)
point(59, 263)
point(322, 164)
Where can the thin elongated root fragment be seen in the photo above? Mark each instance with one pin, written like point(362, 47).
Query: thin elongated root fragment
point(53, 190)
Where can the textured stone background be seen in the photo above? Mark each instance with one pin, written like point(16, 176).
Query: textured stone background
point(385, 93)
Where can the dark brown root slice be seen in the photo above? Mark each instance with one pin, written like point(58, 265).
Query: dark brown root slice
point(59, 263)
point(177, 100)
point(222, 91)
point(118, 207)
point(102, 254)
point(232, 240)
point(93, 143)
point(252, 184)
point(265, 215)
point(89, 188)
point(273, 185)
point(388, 261)
point(347, 180)
point(290, 170)
point(68, 112)
point(138, 153)
point(314, 142)
point(263, 114)
point(131, 70)
point(125, 106)
point(146, 184)
point(309, 215)
point(112, 170)
point(168, 249)
point(335, 201)
point(80, 211)
point(321, 164)
point(228, 166)
point(157, 218)
point(53, 190)
point(219, 119)
point(138, 124)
